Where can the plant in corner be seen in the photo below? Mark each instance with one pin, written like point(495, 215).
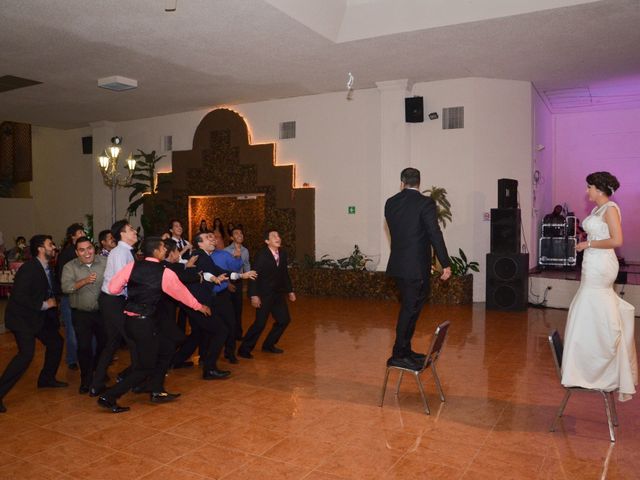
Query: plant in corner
point(145, 189)
point(460, 266)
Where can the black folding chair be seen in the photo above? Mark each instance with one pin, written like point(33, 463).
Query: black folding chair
point(430, 362)
point(557, 349)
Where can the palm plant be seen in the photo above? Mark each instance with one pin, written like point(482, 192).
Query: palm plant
point(145, 189)
point(443, 207)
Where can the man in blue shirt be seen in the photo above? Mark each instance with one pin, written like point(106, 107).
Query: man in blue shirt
point(222, 305)
point(235, 287)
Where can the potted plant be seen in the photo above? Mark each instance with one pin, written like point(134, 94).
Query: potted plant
point(154, 217)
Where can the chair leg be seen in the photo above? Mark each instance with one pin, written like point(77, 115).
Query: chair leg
point(437, 380)
point(613, 409)
point(560, 410)
point(424, 398)
point(399, 382)
point(384, 386)
point(607, 407)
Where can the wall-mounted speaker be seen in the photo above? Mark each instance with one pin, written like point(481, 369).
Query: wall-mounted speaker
point(507, 281)
point(413, 109)
point(507, 193)
point(505, 230)
point(87, 145)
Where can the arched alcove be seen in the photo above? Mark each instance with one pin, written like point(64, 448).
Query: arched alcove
point(223, 162)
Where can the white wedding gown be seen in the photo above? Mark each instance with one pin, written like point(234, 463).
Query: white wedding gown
point(599, 344)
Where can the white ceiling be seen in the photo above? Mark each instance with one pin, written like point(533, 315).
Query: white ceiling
point(211, 52)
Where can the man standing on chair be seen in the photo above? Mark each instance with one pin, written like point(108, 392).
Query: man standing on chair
point(413, 225)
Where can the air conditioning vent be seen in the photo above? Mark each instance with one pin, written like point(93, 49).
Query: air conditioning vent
point(452, 117)
point(287, 130)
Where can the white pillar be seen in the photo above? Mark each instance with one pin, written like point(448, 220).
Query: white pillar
point(395, 151)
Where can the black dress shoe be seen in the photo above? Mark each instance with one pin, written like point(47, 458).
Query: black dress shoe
point(2, 407)
point(84, 389)
point(187, 364)
point(244, 354)
point(52, 384)
point(73, 366)
point(163, 397)
point(112, 405)
point(95, 391)
point(418, 357)
point(272, 349)
point(404, 362)
point(215, 374)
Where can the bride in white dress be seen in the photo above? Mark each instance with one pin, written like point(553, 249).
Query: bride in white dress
point(599, 345)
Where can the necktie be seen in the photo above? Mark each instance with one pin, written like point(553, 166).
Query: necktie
point(276, 255)
point(50, 280)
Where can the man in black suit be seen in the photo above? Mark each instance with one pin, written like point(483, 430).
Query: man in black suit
point(31, 313)
point(413, 225)
point(213, 330)
point(267, 295)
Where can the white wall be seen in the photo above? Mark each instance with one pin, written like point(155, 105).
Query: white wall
point(60, 191)
point(596, 141)
point(543, 148)
point(495, 143)
point(338, 149)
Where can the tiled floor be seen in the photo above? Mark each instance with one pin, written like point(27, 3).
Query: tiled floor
point(313, 412)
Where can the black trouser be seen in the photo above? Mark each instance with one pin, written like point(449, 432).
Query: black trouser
point(26, 342)
point(112, 311)
point(222, 310)
point(143, 335)
point(87, 326)
point(275, 305)
point(236, 301)
point(216, 332)
point(413, 294)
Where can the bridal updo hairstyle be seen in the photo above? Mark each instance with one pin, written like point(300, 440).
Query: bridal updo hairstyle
point(603, 181)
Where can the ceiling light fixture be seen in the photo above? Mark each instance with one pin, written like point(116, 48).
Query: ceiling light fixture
point(117, 83)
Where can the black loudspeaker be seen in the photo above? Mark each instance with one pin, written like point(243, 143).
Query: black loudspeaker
point(507, 193)
point(87, 145)
point(413, 110)
point(505, 230)
point(507, 281)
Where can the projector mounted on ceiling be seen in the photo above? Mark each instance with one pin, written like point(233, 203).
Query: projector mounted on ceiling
point(117, 83)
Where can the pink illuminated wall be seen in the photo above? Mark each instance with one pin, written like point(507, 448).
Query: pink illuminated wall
point(596, 141)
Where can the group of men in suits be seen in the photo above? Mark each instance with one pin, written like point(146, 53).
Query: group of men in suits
point(135, 301)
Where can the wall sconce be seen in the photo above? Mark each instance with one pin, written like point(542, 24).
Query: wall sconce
point(113, 179)
point(433, 116)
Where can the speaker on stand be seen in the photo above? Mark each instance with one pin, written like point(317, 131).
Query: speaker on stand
point(507, 281)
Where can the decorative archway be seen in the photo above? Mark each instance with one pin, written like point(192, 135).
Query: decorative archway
point(223, 162)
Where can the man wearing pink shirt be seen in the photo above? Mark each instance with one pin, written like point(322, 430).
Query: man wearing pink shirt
point(145, 280)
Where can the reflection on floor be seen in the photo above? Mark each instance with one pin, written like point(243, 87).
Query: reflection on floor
point(312, 413)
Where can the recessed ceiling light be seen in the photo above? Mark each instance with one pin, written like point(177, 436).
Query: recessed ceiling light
point(117, 83)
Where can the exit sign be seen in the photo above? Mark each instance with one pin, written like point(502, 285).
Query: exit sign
point(351, 210)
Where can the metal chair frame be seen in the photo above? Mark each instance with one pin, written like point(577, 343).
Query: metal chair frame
point(432, 356)
point(557, 349)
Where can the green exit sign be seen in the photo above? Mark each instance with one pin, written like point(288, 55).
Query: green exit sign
point(351, 210)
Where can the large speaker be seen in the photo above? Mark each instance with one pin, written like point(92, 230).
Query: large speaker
point(507, 281)
point(413, 110)
point(87, 145)
point(507, 193)
point(505, 230)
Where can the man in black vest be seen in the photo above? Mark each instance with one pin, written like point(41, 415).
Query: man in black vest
point(146, 280)
point(413, 225)
point(268, 296)
point(31, 313)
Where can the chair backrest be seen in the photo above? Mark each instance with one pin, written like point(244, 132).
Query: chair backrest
point(557, 349)
point(437, 342)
